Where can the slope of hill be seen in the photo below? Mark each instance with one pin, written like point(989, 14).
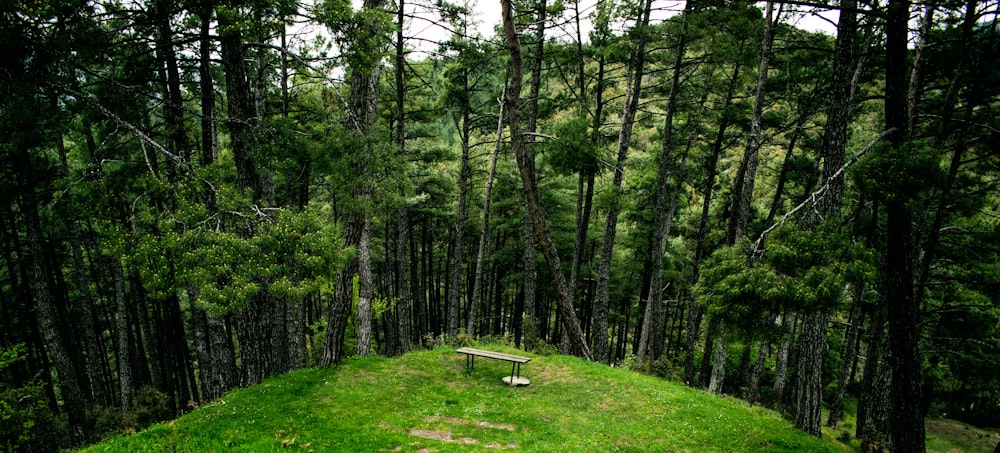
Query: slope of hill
point(425, 401)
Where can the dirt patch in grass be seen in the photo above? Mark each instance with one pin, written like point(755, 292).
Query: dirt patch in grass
point(968, 437)
point(444, 436)
point(554, 374)
point(479, 423)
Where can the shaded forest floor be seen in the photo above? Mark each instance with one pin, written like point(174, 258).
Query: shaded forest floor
point(425, 402)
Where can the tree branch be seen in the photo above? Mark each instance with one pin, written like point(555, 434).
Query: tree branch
point(818, 194)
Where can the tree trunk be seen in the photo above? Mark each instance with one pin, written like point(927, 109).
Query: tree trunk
point(747, 175)
point(458, 250)
point(851, 343)
point(530, 271)
point(753, 381)
point(701, 248)
point(241, 120)
point(809, 383)
point(633, 92)
point(523, 155)
point(532, 318)
point(45, 309)
point(872, 421)
point(403, 293)
point(782, 359)
point(484, 235)
point(718, 378)
point(365, 290)
point(207, 88)
point(122, 323)
point(653, 336)
point(906, 421)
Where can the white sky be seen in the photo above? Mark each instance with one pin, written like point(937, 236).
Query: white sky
point(488, 14)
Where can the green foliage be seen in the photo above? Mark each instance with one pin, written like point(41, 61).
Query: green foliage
point(899, 174)
point(362, 34)
point(26, 421)
point(803, 269)
point(291, 254)
point(817, 264)
point(573, 151)
point(735, 290)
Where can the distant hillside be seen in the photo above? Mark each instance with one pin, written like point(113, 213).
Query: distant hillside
point(424, 402)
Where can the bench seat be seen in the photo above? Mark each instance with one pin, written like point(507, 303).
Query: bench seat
point(515, 368)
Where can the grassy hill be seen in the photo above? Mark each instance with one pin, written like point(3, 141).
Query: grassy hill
point(425, 402)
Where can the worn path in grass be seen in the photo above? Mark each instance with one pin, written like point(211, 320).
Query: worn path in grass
point(425, 402)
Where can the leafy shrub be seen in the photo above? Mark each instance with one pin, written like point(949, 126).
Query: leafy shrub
point(27, 423)
point(151, 406)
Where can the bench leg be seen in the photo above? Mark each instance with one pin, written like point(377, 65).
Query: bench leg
point(470, 363)
point(512, 364)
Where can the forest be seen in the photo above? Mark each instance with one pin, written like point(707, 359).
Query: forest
point(196, 195)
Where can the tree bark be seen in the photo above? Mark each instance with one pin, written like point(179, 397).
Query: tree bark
point(633, 92)
point(719, 357)
point(241, 121)
point(906, 422)
point(207, 87)
point(125, 385)
point(484, 235)
point(781, 360)
point(812, 347)
point(365, 290)
point(403, 293)
point(653, 336)
point(45, 309)
point(747, 175)
point(523, 155)
point(851, 344)
point(530, 271)
point(458, 250)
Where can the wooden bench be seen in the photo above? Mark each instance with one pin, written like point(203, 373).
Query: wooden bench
point(516, 361)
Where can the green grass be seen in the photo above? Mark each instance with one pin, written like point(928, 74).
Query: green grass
point(424, 401)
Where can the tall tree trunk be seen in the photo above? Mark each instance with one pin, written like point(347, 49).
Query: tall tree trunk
point(207, 87)
point(484, 234)
point(782, 359)
point(87, 299)
point(45, 310)
point(812, 347)
point(241, 120)
point(365, 290)
point(872, 421)
point(530, 272)
point(812, 341)
point(632, 94)
point(745, 180)
point(122, 323)
point(719, 357)
point(851, 343)
point(753, 381)
point(653, 331)
point(718, 369)
point(403, 293)
point(523, 155)
point(362, 113)
point(906, 422)
point(458, 250)
point(174, 108)
point(533, 314)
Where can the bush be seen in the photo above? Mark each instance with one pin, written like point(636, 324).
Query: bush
point(27, 423)
point(150, 406)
